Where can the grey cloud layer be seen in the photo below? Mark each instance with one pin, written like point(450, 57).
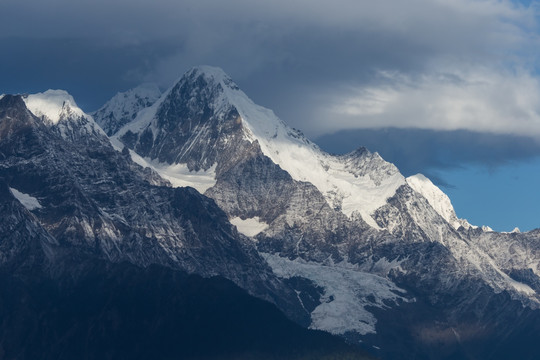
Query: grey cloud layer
point(316, 63)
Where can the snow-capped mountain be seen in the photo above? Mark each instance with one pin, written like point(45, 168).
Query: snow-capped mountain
point(344, 244)
point(358, 184)
point(58, 110)
point(324, 218)
point(124, 106)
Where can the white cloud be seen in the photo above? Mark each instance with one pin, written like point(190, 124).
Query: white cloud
point(478, 99)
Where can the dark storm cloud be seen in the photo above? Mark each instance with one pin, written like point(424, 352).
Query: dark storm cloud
point(92, 71)
point(426, 151)
point(296, 57)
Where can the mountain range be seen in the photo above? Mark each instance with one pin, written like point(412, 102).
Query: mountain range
point(200, 180)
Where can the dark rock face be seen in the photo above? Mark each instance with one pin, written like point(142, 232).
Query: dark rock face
point(188, 109)
point(24, 243)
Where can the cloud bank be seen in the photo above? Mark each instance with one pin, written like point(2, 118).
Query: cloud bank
point(479, 100)
point(434, 64)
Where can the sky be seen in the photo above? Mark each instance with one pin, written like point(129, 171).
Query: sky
point(448, 88)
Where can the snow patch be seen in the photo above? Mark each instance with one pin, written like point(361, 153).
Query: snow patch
point(177, 174)
point(347, 293)
point(54, 105)
point(519, 286)
point(29, 202)
point(249, 227)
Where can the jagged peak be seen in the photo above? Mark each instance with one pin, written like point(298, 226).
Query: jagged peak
point(12, 101)
point(13, 107)
point(124, 106)
point(58, 109)
point(219, 92)
point(145, 90)
point(55, 105)
point(361, 151)
point(204, 77)
point(211, 73)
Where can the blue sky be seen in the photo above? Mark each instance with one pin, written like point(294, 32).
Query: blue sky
point(499, 197)
point(449, 88)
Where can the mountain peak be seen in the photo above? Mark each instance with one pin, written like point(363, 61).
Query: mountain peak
point(55, 105)
point(212, 76)
point(58, 110)
point(437, 199)
point(13, 101)
point(13, 107)
point(124, 106)
point(207, 71)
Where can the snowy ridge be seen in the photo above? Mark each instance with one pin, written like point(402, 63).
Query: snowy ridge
point(342, 185)
point(177, 174)
point(55, 105)
point(472, 259)
point(478, 260)
point(57, 108)
point(437, 199)
point(124, 106)
point(346, 292)
point(145, 118)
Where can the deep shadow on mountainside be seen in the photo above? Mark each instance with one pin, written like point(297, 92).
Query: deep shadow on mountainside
point(63, 297)
point(121, 311)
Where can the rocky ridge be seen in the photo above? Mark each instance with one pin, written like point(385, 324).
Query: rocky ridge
point(94, 201)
